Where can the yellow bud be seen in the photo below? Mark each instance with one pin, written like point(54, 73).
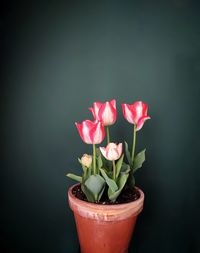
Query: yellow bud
point(86, 160)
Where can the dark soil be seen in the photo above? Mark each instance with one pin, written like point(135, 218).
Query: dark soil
point(127, 195)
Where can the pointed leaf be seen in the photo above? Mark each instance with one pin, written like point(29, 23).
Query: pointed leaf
point(95, 184)
point(119, 165)
point(74, 177)
point(106, 163)
point(131, 180)
point(87, 193)
point(86, 174)
point(110, 182)
point(121, 183)
point(138, 160)
point(101, 193)
point(125, 168)
point(99, 162)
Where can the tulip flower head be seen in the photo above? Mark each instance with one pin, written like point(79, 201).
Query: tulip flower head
point(86, 160)
point(136, 113)
point(91, 132)
point(105, 112)
point(112, 151)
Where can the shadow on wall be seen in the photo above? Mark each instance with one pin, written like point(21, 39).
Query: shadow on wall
point(188, 76)
point(5, 245)
point(184, 99)
point(168, 170)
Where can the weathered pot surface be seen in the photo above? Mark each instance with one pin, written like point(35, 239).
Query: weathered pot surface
point(105, 228)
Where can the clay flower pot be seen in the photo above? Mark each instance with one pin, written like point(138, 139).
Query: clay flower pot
point(105, 228)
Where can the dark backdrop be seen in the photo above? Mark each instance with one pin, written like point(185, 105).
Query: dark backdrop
point(57, 57)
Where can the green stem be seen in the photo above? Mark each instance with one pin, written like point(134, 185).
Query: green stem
point(114, 170)
point(108, 135)
point(134, 141)
point(94, 160)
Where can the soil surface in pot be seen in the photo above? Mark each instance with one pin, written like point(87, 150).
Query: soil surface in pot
point(127, 195)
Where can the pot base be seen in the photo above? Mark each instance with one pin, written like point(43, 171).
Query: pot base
point(104, 237)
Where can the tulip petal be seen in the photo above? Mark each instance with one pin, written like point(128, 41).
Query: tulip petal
point(83, 130)
point(111, 145)
point(112, 154)
point(134, 112)
point(113, 103)
point(107, 113)
point(127, 112)
point(91, 132)
point(96, 106)
point(145, 109)
point(112, 151)
point(92, 111)
point(119, 149)
point(97, 132)
point(141, 122)
point(139, 109)
point(79, 126)
point(103, 151)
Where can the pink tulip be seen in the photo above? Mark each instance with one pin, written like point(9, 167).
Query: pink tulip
point(105, 112)
point(91, 132)
point(136, 113)
point(112, 152)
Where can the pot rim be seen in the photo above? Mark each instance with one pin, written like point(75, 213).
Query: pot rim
point(105, 212)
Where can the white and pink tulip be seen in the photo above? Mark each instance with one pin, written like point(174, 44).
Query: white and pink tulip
point(112, 151)
point(91, 132)
point(105, 112)
point(136, 113)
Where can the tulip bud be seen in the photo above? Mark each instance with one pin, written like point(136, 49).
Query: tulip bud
point(91, 132)
point(136, 113)
point(86, 160)
point(105, 112)
point(112, 152)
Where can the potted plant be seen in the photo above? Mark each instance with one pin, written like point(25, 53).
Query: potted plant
point(106, 202)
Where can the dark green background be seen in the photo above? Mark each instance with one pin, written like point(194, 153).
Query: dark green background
point(57, 57)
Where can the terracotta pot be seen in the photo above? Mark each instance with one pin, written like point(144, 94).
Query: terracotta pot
point(105, 228)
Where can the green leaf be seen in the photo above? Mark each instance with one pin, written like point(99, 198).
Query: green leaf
point(138, 160)
point(121, 183)
point(86, 174)
point(95, 185)
point(99, 162)
point(125, 168)
point(128, 155)
point(110, 182)
point(74, 177)
point(87, 193)
point(131, 180)
point(119, 165)
point(106, 163)
point(101, 193)
point(98, 152)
